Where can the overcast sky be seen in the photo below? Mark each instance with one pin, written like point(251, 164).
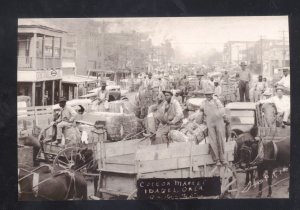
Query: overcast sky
point(192, 34)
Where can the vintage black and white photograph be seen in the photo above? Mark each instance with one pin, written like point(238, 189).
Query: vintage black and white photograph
point(153, 108)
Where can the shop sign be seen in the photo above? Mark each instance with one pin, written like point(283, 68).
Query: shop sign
point(48, 75)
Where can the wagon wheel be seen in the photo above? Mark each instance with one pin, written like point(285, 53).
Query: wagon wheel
point(66, 158)
point(132, 195)
point(229, 183)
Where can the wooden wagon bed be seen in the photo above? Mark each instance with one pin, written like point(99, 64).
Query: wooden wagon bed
point(126, 162)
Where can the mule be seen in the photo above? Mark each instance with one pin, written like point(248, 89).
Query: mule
point(240, 140)
point(41, 184)
point(267, 156)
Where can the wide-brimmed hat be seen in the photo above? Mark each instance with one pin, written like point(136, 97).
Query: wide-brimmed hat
point(103, 83)
point(99, 124)
point(168, 91)
point(279, 87)
point(286, 69)
point(268, 92)
point(62, 99)
point(199, 73)
point(243, 63)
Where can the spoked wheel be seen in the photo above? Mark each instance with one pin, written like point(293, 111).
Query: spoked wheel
point(132, 195)
point(66, 158)
point(229, 183)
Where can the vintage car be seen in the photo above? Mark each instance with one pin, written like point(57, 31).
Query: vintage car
point(114, 93)
point(242, 116)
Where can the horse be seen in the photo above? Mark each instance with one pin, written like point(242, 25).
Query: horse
point(266, 156)
point(237, 152)
point(41, 184)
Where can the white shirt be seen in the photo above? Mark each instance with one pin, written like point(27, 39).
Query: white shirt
point(285, 81)
point(282, 104)
point(218, 91)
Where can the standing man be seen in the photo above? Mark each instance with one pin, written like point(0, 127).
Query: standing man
point(200, 85)
point(211, 83)
point(245, 78)
point(183, 85)
point(66, 118)
point(46, 98)
point(149, 81)
point(102, 97)
point(285, 80)
point(214, 114)
point(259, 89)
point(161, 84)
point(225, 77)
point(170, 117)
point(218, 90)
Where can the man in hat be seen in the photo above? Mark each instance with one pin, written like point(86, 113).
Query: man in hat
point(259, 88)
point(214, 114)
point(244, 80)
point(200, 82)
point(144, 99)
point(282, 103)
point(184, 86)
point(170, 116)
point(217, 89)
point(225, 77)
point(267, 94)
point(98, 133)
point(102, 97)
point(66, 118)
point(148, 83)
point(285, 80)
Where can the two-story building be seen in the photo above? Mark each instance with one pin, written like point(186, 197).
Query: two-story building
point(39, 61)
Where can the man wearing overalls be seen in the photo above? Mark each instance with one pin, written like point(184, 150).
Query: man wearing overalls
point(214, 114)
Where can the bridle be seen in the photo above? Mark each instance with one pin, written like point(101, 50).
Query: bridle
point(37, 194)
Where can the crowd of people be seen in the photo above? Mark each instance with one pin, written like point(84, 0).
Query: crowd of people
point(160, 107)
point(166, 115)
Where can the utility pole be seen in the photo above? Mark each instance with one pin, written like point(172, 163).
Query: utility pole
point(283, 50)
point(102, 44)
point(261, 54)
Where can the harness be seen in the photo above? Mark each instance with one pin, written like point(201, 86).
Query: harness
point(36, 183)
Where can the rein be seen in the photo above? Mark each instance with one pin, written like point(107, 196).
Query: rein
point(72, 180)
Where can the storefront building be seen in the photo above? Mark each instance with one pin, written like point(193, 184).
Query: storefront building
point(39, 62)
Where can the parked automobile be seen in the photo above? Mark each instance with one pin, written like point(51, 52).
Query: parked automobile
point(114, 93)
point(242, 116)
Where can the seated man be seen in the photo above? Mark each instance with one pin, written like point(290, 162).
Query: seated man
point(66, 118)
point(102, 97)
point(170, 117)
point(282, 103)
point(285, 81)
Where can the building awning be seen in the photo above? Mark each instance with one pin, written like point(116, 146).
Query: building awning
point(68, 64)
point(78, 79)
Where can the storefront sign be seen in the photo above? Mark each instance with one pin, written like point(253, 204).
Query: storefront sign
point(181, 188)
point(48, 75)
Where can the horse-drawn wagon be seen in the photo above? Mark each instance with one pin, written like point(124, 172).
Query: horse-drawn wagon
point(121, 164)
